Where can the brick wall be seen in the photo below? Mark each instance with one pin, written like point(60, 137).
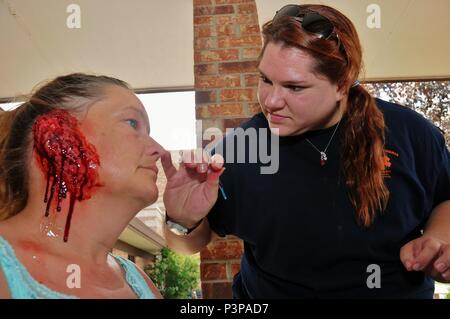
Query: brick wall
point(227, 43)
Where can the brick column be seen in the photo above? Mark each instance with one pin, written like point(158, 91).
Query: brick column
point(227, 43)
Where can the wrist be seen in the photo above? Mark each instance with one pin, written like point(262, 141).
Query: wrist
point(182, 227)
point(185, 223)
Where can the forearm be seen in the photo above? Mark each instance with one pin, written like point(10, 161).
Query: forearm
point(191, 243)
point(439, 223)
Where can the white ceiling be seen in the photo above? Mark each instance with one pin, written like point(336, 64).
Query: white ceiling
point(413, 41)
point(149, 43)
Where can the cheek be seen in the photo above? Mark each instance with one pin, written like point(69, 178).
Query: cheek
point(113, 176)
point(325, 97)
point(301, 105)
point(120, 154)
point(119, 160)
point(113, 163)
point(89, 130)
point(314, 103)
point(109, 145)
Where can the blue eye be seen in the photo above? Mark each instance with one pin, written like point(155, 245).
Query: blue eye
point(133, 123)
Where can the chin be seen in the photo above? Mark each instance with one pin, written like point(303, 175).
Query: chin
point(280, 131)
point(145, 194)
point(147, 200)
point(151, 197)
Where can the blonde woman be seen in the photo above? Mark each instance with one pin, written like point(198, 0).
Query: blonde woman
point(77, 164)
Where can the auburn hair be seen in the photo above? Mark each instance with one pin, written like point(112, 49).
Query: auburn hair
point(339, 59)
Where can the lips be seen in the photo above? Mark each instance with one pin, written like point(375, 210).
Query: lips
point(276, 118)
point(151, 168)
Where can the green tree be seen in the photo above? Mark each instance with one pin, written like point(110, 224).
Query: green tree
point(430, 98)
point(176, 276)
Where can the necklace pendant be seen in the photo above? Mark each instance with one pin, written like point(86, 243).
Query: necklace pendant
point(323, 158)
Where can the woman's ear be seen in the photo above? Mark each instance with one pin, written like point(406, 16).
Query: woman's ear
point(339, 95)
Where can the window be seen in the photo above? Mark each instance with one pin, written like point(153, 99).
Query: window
point(171, 114)
point(172, 118)
point(9, 106)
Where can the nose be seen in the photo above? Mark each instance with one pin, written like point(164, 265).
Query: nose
point(274, 99)
point(153, 149)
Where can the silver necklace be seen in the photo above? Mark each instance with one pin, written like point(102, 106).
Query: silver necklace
point(323, 154)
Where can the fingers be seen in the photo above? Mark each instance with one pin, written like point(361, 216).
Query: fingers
point(429, 255)
point(211, 186)
point(195, 159)
point(213, 177)
point(166, 161)
point(442, 263)
point(217, 162)
point(201, 161)
point(407, 254)
point(429, 252)
point(418, 253)
point(187, 158)
point(446, 276)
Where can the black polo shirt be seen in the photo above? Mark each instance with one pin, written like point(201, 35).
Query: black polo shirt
point(301, 238)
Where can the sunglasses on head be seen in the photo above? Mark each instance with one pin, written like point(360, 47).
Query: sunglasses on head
point(310, 21)
point(314, 23)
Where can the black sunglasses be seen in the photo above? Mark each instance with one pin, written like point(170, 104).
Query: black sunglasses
point(310, 21)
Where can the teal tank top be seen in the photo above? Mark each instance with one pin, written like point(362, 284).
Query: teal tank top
point(23, 286)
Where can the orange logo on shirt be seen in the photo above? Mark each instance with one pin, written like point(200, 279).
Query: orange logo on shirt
point(387, 162)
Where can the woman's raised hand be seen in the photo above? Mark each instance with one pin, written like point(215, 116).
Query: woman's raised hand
point(192, 190)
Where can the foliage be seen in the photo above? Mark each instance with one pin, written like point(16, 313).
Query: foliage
point(176, 276)
point(430, 98)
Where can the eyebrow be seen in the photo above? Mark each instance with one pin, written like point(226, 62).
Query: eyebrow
point(285, 82)
point(142, 114)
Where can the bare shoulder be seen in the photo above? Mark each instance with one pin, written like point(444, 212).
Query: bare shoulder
point(150, 283)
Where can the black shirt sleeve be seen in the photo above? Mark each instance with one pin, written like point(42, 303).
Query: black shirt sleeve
point(442, 184)
point(429, 157)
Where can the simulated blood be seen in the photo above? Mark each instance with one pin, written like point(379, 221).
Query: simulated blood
point(69, 162)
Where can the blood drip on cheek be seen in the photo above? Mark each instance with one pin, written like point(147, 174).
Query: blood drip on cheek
point(68, 160)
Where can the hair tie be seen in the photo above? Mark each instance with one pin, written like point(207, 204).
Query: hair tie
point(356, 83)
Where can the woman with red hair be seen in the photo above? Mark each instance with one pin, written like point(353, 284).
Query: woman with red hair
point(360, 204)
